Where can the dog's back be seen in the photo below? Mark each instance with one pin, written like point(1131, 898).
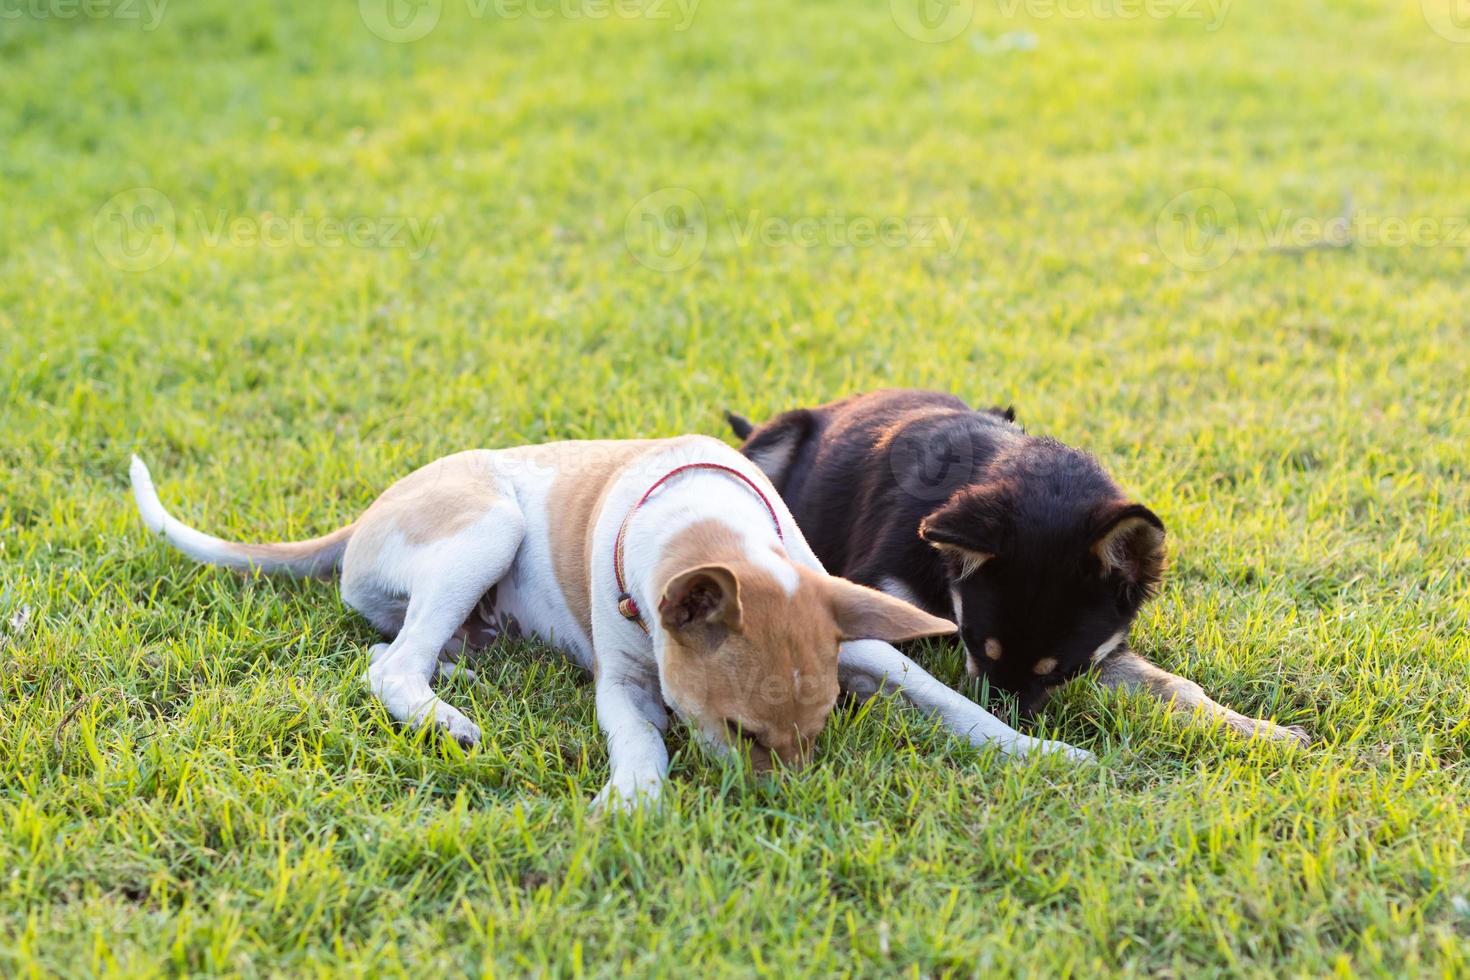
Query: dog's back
point(861, 517)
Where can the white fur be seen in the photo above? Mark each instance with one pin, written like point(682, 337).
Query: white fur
point(872, 666)
point(1108, 646)
point(199, 546)
point(892, 586)
point(217, 551)
point(774, 459)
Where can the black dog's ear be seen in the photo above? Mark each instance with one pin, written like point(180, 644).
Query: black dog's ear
point(1008, 413)
point(1129, 545)
point(774, 446)
point(740, 425)
point(969, 530)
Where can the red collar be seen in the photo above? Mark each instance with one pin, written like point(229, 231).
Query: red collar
point(627, 605)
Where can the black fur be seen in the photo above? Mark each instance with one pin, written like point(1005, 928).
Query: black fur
point(742, 426)
point(914, 488)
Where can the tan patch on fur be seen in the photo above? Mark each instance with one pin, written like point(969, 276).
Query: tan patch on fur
point(1133, 548)
point(431, 503)
point(585, 472)
point(969, 561)
point(992, 648)
point(317, 557)
point(776, 678)
point(1045, 666)
point(440, 499)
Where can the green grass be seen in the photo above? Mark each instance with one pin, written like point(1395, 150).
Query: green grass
point(192, 778)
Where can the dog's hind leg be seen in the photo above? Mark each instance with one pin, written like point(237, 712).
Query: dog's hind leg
point(445, 580)
point(1126, 669)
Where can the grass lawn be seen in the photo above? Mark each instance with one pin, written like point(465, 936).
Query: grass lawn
point(288, 260)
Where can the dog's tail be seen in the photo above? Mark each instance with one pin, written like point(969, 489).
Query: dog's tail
point(317, 558)
point(741, 425)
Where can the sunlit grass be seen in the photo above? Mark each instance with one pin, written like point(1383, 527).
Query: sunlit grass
point(192, 777)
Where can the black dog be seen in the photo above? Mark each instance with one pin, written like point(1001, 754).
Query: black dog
point(1026, 543)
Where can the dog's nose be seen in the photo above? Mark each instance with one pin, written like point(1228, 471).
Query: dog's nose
point(761, 759)
point(1032, 700)
point(795, 761)
point(794, 752)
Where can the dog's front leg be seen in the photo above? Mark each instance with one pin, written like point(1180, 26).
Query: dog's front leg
point(1126, 669)
point(633, 718)
point(865, 667)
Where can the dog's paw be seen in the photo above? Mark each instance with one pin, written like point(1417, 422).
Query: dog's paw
point(1026, 746)
point(448, 722)
point(1069, 752)
point(1292, 734)
point(626, 795)
point(410, 701)
point(457, 727)
point(1269, 730)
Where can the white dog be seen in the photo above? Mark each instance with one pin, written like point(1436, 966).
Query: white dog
point(670, 569)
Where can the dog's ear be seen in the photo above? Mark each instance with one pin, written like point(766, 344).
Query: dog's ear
point(774, 445)
point(968, 530)
point(1129, 546)
point(1008, 413)
point(740, 425)
point(700, 600)
point(867, 614)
